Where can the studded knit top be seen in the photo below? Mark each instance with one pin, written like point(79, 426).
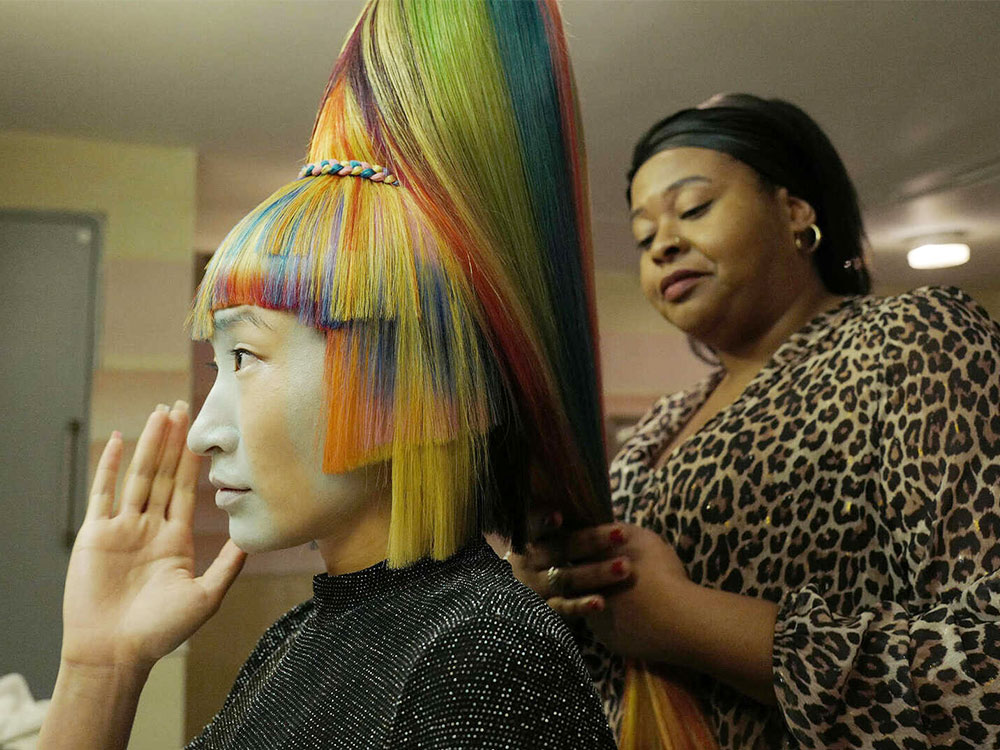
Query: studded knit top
point(454, 654)
point(856, 483)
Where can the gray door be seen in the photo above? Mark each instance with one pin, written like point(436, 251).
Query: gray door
point(48, 274)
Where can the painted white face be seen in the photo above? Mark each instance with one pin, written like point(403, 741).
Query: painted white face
point(262, 426)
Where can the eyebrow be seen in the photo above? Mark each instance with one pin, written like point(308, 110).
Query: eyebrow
point(225, 319)
point(675, 185)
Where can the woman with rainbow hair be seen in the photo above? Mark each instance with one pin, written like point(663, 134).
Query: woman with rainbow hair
point(405, 344)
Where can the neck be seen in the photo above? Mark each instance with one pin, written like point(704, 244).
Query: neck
point(359, 545)
point(745, 357)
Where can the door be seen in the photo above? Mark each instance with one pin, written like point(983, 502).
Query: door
point(48, 274)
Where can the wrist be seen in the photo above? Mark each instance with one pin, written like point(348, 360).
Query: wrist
point(726, 636)
point(121, 677)
point(92, 706)
point(685, 624)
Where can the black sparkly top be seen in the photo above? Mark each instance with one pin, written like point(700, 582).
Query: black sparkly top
point(453, 654)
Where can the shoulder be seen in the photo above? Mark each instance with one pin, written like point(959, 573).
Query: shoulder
point(270, 645)
point(926, 329)
point(485, 602)
point(285, 626)
point(939, 361)
point(498, 669)
point(499, 679)
point(933, 312)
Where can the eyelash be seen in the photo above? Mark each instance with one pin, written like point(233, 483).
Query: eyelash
point(692, 213)
point(238, 355)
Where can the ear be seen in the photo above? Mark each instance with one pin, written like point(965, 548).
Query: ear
point(800, 213)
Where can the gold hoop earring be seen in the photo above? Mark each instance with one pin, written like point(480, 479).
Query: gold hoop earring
point(817, 236)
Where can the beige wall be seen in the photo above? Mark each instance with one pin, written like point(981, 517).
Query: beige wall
point(145, 198)
point(642, 356)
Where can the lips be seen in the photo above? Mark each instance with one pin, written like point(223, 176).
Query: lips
point(677, 284)
point(227, 492)
point(223, 483)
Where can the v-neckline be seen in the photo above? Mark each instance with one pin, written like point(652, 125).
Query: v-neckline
point(790, 350)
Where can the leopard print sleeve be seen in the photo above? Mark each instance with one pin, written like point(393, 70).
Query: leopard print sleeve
point(918, 669)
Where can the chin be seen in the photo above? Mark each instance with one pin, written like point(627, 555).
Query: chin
point(696, 316)
point(252, 538)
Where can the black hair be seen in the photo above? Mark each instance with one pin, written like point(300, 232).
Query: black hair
point(786, 148)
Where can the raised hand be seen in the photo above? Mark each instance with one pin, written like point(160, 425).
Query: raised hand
point(131, 592)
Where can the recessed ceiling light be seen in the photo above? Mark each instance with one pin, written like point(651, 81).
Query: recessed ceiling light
point(942, 255)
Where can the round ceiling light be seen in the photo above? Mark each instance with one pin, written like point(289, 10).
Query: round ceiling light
point(938, 255)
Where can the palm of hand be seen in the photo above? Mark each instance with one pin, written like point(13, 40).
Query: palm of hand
point(131, 593)
point(131, 578)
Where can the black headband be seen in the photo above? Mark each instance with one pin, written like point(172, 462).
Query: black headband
point(764, 144)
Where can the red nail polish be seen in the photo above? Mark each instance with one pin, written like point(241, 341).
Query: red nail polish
point(617, 536)
point(595, 605)
point(618, 568)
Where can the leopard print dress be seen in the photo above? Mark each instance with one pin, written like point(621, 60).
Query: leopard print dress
point(855, 483)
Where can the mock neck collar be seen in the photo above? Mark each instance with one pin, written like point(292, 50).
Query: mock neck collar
point(334, 595)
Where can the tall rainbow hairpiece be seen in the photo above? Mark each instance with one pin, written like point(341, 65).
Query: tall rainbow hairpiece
point(458, 305)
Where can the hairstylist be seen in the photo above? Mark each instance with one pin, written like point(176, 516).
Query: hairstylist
point(812, 531)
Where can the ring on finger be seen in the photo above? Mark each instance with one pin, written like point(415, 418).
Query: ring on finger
point(553, 577)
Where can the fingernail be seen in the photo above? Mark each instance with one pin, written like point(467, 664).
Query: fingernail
point(618, 568)
point(116, 435)
point(595, 605)
point(180, 405)
point(617, 536)
point(162, 407)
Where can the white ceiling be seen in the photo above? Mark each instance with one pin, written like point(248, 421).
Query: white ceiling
point(906, 90)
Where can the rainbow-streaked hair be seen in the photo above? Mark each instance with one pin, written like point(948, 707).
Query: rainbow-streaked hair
point(458, 306)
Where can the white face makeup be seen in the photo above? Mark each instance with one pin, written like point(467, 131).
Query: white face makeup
point(262, 427)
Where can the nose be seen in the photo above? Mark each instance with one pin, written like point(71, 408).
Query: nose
point(215, 430)
point(666, 246)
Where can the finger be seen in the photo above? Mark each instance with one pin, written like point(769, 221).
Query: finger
point(579, 580)
point(173, 444)
point(222, 572)
point(142, 468)
point(102, 491)
point(589, 544)
point(180, 509)
point(573, 609)
point(595, 542)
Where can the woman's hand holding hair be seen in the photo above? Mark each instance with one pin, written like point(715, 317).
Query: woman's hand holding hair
point(572, 571)
point(632, 589)
point(131, 593)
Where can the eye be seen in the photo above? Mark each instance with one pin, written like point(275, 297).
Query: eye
point(238, 355)
point(697, 211)
point(212, 366)
point(644, 243)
